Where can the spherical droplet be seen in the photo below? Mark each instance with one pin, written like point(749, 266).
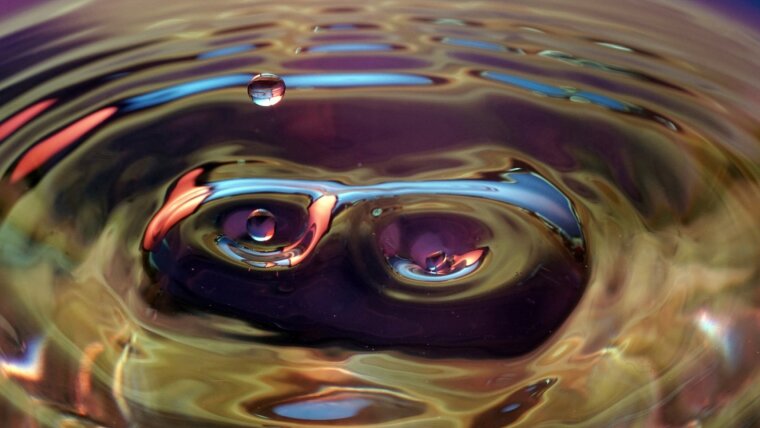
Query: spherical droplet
point(260, 225)
point(266, 89)
point(376, 212)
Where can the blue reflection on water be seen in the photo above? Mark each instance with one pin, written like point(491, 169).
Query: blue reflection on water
point(332, 80)
point(229, 50)
point(349, 80)
point(350, 47)
point(323, 410)
point(541, 88)
point(182, 90)
point(559, 92)
point(510, 407)
point(473, 44)
point(602, 100)
point(525, 190)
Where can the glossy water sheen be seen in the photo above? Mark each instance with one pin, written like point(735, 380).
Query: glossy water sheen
point(462, 214)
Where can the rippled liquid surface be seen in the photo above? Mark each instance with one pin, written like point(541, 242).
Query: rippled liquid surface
point(460, 214)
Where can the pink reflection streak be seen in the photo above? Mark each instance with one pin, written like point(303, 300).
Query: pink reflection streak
point(184, 199)
point(46, 149)
point(320, 213)
point(21, 118)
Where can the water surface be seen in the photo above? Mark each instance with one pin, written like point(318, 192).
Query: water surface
point(456, 214)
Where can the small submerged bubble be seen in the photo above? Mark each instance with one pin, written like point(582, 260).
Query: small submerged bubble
point(430, 254)
point(266, 89)
point(436, 261)
point(260, 225)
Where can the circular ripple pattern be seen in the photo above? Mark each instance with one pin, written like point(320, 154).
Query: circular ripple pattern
point(462, 214)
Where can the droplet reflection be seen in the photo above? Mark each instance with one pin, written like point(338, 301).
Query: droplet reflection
point(266, 89)
point(260, 225)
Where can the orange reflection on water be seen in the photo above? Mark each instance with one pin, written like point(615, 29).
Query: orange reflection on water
point(46, 149)
point(21, 118)
point(320, 213)
point(183, 201)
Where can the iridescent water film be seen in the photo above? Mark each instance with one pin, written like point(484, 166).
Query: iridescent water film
point(388, 214)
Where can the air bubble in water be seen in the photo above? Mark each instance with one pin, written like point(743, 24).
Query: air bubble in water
point(266, 89)
point(260, 225)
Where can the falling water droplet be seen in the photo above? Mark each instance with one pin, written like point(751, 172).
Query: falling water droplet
point(436, 261)
point(266, 89)
point(260, 225)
